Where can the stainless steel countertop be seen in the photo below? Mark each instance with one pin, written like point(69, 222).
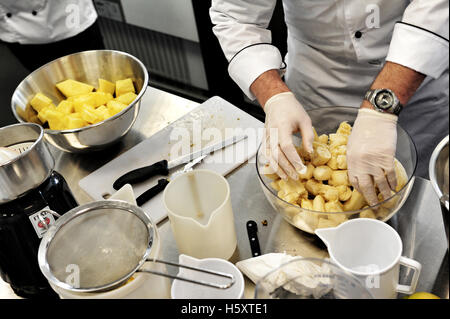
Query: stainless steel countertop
point(419, 222)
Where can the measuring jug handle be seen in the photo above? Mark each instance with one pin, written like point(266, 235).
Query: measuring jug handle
point(416, 267)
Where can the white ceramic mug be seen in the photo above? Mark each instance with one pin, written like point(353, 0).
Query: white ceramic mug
point(371, 250)
point(199, 208)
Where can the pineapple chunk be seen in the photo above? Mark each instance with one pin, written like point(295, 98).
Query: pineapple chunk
point(126, 98)
point(102, 112)
point(76, 114)
point(101, 98)
point(65, 107)
point(89, 115)
point(39, 101)
point(124, 86)
point(42, 115)
point(115, 107)
point(106, 86)
point(73, 121)
point(72, 88)
point(82, 101)
point(56, 119)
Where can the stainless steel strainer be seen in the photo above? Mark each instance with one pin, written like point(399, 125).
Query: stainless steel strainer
point(100, 245)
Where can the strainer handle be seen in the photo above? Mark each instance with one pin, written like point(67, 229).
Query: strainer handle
point(198, 282)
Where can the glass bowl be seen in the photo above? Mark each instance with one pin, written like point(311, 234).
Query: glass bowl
point(310, 278)
point(326, 120)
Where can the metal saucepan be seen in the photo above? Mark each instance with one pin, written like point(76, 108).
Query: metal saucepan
point(100, 245)
point(438, 170)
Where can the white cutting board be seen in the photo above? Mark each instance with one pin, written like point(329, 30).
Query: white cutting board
point(215, 113)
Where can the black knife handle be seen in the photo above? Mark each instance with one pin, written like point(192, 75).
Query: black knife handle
point(152, 192)
point(252, 230)
point(141, 174)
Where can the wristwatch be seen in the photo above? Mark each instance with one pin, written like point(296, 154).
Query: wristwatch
point(384, 100)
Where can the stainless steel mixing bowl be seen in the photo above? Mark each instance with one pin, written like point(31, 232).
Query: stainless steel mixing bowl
point(88, 67)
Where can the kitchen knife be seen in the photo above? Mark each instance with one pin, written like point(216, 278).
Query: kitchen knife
point(163, 167)
point(162, 183)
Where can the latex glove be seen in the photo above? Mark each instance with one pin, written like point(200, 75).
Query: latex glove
point(285, 116)
point(370, 154)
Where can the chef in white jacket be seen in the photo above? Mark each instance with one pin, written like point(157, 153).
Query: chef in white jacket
point(38, 31)
point(384, 56)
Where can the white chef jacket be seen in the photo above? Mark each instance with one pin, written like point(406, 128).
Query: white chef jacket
point(336, 47)
point(44, 21)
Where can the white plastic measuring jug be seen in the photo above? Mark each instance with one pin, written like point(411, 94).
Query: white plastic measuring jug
point(371, 250)
point(199, 208)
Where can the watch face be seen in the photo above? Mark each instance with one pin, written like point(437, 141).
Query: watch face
point(384, 100)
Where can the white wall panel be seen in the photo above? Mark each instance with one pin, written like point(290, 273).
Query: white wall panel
point(173, 17)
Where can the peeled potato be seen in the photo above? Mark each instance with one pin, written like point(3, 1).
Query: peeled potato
point(339, 178)
point(306, 204)
point(321, 155)
point(344, 192)
point(319, 203)
point(313, 186)
point(330, 193)
point(355, 202)
point(367, 213)
point(309, 172)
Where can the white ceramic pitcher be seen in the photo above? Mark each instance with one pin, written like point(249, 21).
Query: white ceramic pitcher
point(199, 208)
point(371, 250)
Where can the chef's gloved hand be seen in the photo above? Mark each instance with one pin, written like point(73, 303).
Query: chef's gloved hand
point(370, 154)
point(285, 116)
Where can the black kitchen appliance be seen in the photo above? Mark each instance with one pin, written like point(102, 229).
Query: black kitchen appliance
point(30, 192)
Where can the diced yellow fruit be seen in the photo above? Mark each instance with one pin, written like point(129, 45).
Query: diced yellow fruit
point(73, 122)
point(73, 88)
point(65, 107)
point(56, 120)
point(39, 101)
point(124, 86)
point(102, 112)
point(89, 115)
point(76, 114)
point(126, 98)
point(42, 115)
point(82, 101)
point(101, 98)
point(106, 86)
point(53, 114)
point(115, 107)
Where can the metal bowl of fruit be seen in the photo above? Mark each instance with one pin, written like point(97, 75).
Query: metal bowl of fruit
point(85, 101)
point(323, 196)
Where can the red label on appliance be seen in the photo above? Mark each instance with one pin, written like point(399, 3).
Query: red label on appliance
point(41, 221)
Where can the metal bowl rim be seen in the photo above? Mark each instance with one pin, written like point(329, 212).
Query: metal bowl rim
point(432, 165)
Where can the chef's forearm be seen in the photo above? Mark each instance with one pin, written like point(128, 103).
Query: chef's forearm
point(267, 85)
point(401, 80)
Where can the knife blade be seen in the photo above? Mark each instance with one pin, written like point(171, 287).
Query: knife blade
point(162, 167)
